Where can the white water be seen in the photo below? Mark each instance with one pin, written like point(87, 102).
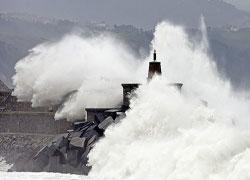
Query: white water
point(3, 165)
point(95, 67)
point(166, 134)
point(4, 175)
point(41, 176)
point(172, 135)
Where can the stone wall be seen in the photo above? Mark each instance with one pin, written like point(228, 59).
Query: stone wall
point(32, 123)
point(21, 117)
point(10, 103)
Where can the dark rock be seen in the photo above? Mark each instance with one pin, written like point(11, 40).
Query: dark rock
point(91, 127)
point(54, 164)
point(77, 142)
point(120, 116)
point(85, 155)
point(124, 108)
point(62, 142)
point(84, 168)
point(99, 117)
point(42, 158)
point(61, 156)
point(73, 157)
point(59, 136)
point(108, 121)
point(76, 134)
point(52, 150)
point(64, 150)
point(112, 112)
point(89, 134)
point(78, 125)
point(92, 140)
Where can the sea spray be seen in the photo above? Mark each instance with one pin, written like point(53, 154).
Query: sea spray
point(92, 67)
point(3, 165)
point(172, 135)
point(167, 134)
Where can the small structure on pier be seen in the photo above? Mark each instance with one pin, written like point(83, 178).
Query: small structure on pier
point(128, 90)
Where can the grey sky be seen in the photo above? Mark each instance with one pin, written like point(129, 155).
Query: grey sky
point(141, 13)
point(241, 4)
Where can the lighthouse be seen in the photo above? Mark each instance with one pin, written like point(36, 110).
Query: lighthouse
point(154, 68)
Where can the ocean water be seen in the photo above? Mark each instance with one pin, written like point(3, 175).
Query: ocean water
point(4, 175)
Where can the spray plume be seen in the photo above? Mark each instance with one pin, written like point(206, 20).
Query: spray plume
point(92, 68)
point(172, 135)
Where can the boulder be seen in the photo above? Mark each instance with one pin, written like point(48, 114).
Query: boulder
point(104, 124)
point(99, 117)
point(84, 157)
point(59, 136)
point(62, 142)
point(54, 164)
point(64, 150)
point(119, 117)
point(74, 157)
point(84, 169)
point(41, 159)
point(77, 142)
point(92, 140)
point(89, 134)
point(76, 134)
point(91, 127)
point(52, 150)
point(78, 125)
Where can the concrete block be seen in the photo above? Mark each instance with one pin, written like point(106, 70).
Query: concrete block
point(120, 116)
point(92, 140)
point(54, 164)
point(62, 142)
point(64, 150)
point(91, 127)
point(77, 142)
point(78, 125)
point(108, 121)
point(59, 136)
point(90, 134)
point(99, 117)
point(41, 159)
point(84, 169)
point(44, 150)
point(84, 157)
point(73, 158)
point(76, 134)
point(51, 150)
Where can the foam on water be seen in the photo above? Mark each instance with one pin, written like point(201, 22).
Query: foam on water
point(41, 176)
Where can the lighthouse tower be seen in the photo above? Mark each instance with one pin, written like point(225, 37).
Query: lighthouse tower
point(154, 68)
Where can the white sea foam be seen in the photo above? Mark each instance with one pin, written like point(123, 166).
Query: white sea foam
point(3, 165)
point(172, 135)
point(41, 176)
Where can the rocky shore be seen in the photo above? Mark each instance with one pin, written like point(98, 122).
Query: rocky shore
point(64, 153)
point(18, 149)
